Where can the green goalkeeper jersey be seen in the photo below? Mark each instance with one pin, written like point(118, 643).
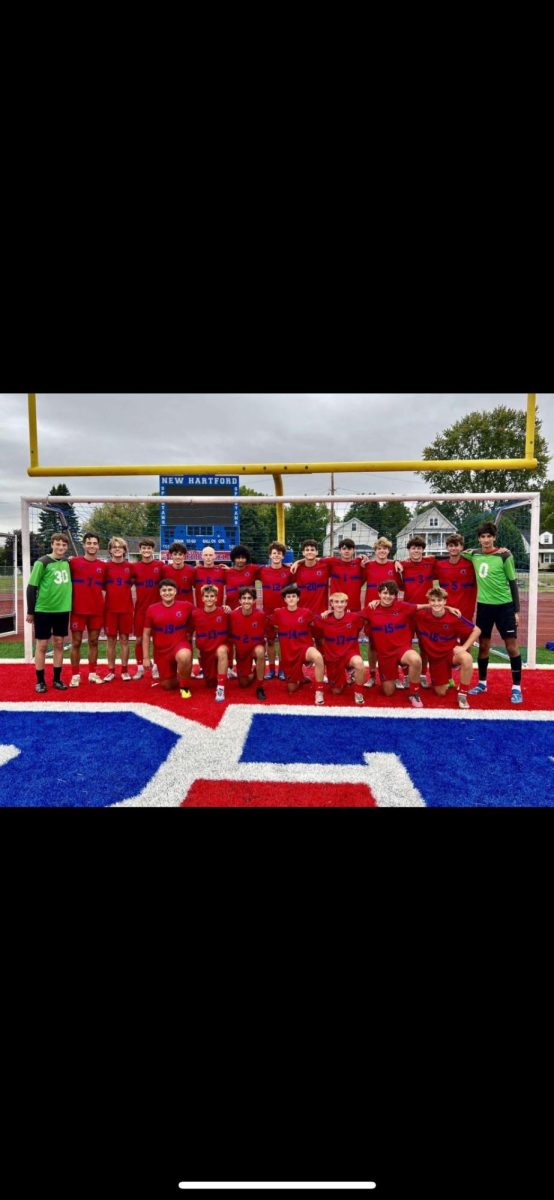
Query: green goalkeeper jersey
point(492, 572)
point(52, 578)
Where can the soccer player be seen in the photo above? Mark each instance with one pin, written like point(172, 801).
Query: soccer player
point(211, 628)
point(381, 569)
point(390, 622)
point(296, 646)
point(347, 573)
point(148, 573)
point(48, 608)
point(457, 575)
point(118, 608)
point(168, 623)
point(447, 640)
point(312, 576)
point(209, 572)
point(181, 571)
point(338, 632)
point(243, 573)
point(497, 604)
point(87, 577)
point(248, 629)
point(273, 579)
point(418, 575)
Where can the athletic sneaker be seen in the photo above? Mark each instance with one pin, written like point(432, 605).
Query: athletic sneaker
point(403, 683)
point(139, 673)
point(319, 697)
point(478, 689)
point(371, 682)
point(415, 700)
point(424, 683)
point(199, 674)
point(350, 675)
point(126, 676)
point(260, 694)
point(94, 678)
point(220, 692)
point(75, 681)
point(517, 697)
point(59, 685)
point(185, 694)
point(271, 674)
point(463, 701)
point(231, 674)
point(281, 674)
point(358, 698)
point(155, 672)
point(109, 678)
point(41, 687)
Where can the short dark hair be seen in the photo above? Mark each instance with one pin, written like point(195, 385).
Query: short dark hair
point(458, 538)
point(389, 586)
point(277, 546)
point(90, 533)
point(177, 548)
point(417, 541)
point(147, 541)
point(350, 545)
point(59, 537)
point(291, 589)
point(309, 542)
point(487, 527)
point(240, 552)
point(247, 591)
point(168, 583)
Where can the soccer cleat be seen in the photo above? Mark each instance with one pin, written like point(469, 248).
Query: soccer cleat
point(281, 674)
point(478, 689)
point(415, 700)
point(40, 688)
point(59, 686)
point(75, 681)
point(139, 673)
point(94, 678)
point(184, 693)
point(109, 678)
point(155, 672)
point(220, 692)
point(125, 675)
point(358, 698)
point(199, 674)
point(260, 694)
point(319, 697)
point(350, 675)
point(463, 701)
point(450, 685)
point(424, 683)
point(517, 696)
point(231, 674)
point(370, 682)
point(402, 683)
point(271, 674)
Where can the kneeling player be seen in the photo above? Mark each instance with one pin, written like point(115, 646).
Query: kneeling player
point(248, 629)
point(211, 628)
point(338, 632)
point(296, 647)
point(168, 623)
point(390, 622)
point(440, 632)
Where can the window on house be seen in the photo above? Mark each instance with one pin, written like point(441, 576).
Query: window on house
point(354, 527)
point(434, 522)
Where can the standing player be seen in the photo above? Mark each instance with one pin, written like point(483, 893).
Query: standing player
point(390, 622)
point(211, 628)
point(243, 573)
point(209, 572)
point(457, 576)
point(48, 608)
point(87, 612)
point(181, 571)
point(118, 609)
point(497, 604)
point(441, 633)
point(248, 629)
point(148, 573)
point(338, 632)
point(418, 575)
point(312, 576)
point(381, 569)
point(296, 646)
point(273, 579)
point(347, 573)
point(167, 622)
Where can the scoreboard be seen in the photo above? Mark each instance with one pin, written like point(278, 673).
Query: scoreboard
point(199, 525)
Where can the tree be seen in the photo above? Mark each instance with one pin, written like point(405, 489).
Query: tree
point(303, 521)
point(65, 518)
point(496, 434)
point(37, 548)
point(547, 507)
point(508, 534)
point(258, 525)
point(394, 517)
point(121, 520)
point(368, 511)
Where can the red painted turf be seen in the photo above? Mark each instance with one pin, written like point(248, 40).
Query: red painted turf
point(204, 793)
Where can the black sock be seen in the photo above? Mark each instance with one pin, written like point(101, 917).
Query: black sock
point(515, 664)
point(40, 676)
point(57, 674)
point(483, 664)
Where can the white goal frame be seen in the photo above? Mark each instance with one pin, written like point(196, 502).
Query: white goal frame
point(494, 498)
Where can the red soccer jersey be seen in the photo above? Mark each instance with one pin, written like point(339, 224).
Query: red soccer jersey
point(439, 635)
point(339, 638)
point(313, 583)
point(147, 582)
point(294, 631)
point(184, 578)
point(170, 625)
point(272, 581)
point(87, 579)
point(211, 629)
point(417, 578)
point(458, 579)
point(235, 579)
point(391, 628)
point(213, 575)
point(247, 632)
point(377, 573)
point(346, 577)
point(119, 580)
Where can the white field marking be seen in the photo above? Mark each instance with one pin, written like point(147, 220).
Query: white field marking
point(326, 1186)
point(7, 753)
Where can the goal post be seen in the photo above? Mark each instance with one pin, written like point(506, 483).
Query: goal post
point(9, 581)
point(495, 501)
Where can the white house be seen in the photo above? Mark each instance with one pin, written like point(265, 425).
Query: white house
point(546, 549)
point(362, 535)
point(431, 526)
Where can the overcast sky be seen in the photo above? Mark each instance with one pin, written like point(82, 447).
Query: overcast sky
point(190, 428)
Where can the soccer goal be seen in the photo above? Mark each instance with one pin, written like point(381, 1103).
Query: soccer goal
point(9, 580)
point(256, 532)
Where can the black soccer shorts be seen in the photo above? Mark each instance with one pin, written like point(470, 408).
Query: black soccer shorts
point(47, 624)
point(501, 615)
